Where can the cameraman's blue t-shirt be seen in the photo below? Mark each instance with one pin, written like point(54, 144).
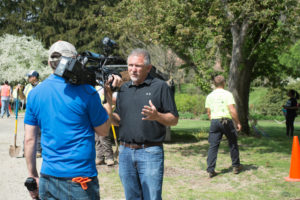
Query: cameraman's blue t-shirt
point(66, 115)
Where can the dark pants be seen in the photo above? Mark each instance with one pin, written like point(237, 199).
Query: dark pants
point(290, 124)
point(217, 129)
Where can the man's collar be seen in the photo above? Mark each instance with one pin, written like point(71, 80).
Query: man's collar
point(147, 81)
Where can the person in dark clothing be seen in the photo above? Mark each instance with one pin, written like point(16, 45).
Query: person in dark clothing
point(220, 106)
point(291, 108)
point(145, 106)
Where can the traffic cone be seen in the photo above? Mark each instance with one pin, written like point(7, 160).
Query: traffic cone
point(295, 162)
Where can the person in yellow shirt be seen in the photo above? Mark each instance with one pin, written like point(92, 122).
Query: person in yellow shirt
point(220, 106)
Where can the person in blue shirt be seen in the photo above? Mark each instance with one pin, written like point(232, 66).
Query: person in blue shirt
point(68, 116)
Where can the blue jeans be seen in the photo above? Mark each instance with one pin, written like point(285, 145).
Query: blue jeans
point(53, 188)
point(4, 107)
point(141, 172)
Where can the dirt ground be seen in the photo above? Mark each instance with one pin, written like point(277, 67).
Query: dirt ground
point(13, 170)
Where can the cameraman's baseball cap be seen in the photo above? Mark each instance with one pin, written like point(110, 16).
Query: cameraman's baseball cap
point(63, 48)
point(33, 73)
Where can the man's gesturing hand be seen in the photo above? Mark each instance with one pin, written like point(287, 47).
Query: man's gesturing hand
point(149, 112)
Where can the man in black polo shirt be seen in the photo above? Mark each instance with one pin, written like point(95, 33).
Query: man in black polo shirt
point(145, 106)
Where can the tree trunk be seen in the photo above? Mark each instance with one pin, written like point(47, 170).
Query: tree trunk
point(240, 74)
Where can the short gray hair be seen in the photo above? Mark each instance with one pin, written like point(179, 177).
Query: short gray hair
point(141, 52)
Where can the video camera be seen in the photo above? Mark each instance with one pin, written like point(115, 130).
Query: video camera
point(91, 68)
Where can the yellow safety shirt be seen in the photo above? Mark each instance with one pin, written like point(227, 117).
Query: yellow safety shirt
point(218, 101)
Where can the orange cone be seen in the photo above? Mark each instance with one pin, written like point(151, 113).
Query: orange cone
point(295, 162)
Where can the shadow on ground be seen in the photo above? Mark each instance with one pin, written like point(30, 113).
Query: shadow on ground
point(196, 141)
point(245, 168)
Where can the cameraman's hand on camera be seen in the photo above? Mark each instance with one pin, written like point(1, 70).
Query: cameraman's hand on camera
point(116, 81)
point(35, 194)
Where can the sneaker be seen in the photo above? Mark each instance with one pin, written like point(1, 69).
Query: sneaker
point(212, 174)
point(100, 162)
point(237, 169)
point(110, 162)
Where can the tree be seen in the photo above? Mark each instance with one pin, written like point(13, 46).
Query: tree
point(259, 31)
point(246, 37)
point(75, 21)
point(10, 17)
point(19, 55)
point(291, 59)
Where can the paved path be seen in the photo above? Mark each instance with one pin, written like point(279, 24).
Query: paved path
point(13, 170)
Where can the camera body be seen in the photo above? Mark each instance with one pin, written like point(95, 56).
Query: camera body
point(74, 72)
point(90, 68)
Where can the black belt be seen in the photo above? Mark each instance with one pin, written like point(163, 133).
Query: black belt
point(141, 146)
point(224, 120)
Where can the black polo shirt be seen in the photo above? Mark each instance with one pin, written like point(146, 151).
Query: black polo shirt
point(130, 102)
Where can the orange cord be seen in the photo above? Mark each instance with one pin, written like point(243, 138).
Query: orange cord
point(82, 181)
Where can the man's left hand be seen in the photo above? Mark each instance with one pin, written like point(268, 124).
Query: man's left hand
point(149, 112)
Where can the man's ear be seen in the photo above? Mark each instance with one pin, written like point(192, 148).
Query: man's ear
point(149, 68)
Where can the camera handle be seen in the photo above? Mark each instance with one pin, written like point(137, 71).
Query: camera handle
point(111, 87)
point(31, 185)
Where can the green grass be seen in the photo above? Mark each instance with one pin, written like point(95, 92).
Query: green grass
point(266, 162)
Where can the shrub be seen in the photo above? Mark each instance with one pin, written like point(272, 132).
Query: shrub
point(190, 103)
point(258, 116)
point(271, 103)
point(186, 115)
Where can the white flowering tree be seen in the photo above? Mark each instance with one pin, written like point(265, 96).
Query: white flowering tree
point(19, 55)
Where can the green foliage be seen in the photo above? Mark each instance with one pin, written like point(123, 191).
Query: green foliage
point(271, 103)
point(291, 59)
point(186, 115)
point(75, 21)
point(255, 96)
point(189, 88)
point(190, 103)
point(258, 116)
point(11, 20)
point(295, 86)
point(266, 103)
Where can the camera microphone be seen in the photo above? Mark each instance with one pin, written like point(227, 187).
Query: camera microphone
point(108, 42)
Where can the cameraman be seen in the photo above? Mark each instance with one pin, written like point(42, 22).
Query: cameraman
point(68, 116)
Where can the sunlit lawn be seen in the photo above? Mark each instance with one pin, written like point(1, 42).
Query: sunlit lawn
point(266, 162)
